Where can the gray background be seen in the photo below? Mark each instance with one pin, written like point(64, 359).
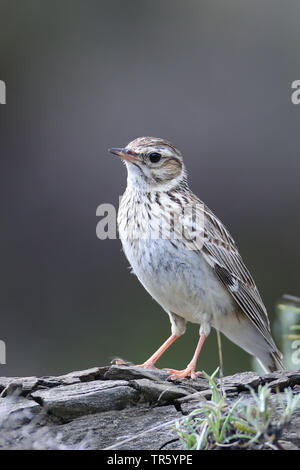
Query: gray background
point(213, 77)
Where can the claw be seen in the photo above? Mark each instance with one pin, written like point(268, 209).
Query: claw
point(181, 374)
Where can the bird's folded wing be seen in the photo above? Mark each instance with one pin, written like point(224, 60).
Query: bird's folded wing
point(221, 253)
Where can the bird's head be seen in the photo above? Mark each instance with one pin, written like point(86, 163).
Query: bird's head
point(153, 164)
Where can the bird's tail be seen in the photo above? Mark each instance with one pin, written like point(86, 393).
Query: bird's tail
point(271, 361)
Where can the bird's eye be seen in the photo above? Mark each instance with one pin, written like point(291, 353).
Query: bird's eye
point(154, 157)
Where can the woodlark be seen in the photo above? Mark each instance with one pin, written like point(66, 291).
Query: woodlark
point(185, 258)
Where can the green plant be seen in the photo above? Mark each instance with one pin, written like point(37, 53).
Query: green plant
point(246, 422)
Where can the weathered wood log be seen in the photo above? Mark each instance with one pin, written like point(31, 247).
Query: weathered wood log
point(116, 407)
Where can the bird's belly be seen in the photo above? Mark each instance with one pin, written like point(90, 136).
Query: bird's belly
point(179, 279)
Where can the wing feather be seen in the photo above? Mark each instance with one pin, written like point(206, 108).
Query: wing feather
point(221, 253)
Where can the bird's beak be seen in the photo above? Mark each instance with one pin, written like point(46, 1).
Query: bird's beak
point(124, 154)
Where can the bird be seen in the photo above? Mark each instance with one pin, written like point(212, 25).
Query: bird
point(185, 257)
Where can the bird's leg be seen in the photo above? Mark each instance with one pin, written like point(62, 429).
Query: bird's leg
point(190, 369)
point(149, 364)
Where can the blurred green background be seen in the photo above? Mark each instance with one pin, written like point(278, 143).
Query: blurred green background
point(214, 78)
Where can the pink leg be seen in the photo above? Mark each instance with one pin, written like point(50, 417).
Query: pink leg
point(190, 369)
point(149, 364)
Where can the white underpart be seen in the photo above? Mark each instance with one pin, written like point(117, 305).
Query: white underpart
point(179, 279)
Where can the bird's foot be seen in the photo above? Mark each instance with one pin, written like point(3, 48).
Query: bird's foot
point(147, 365)
point(181, 374)
point(120, 362)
